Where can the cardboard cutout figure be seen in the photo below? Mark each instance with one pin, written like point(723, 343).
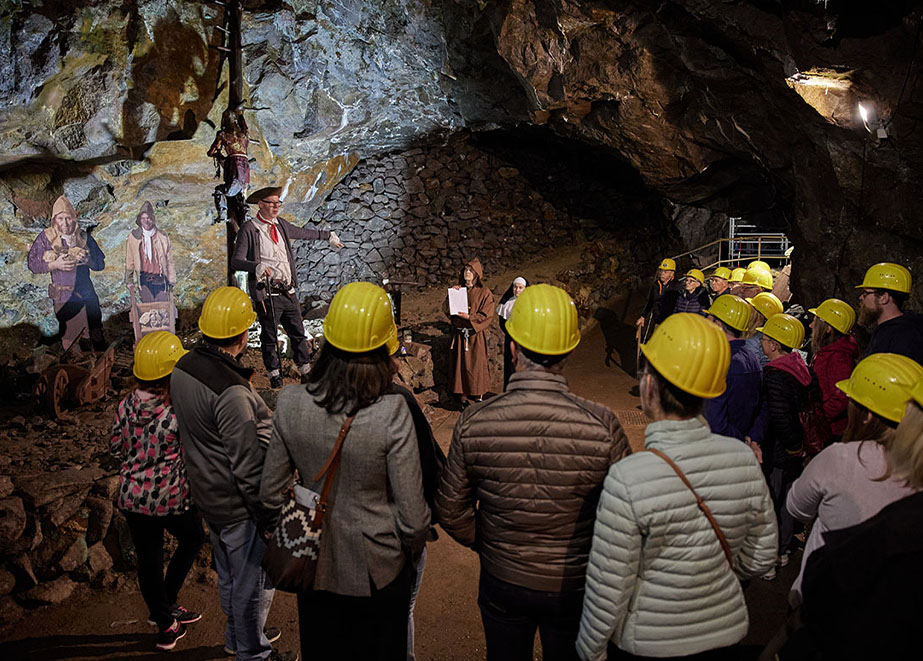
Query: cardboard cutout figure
point(150, 276)
point(68, 253)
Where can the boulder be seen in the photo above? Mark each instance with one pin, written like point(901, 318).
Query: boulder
point(7, 582)
point(6, 486)
point(10, 611)
point(12, 523)
point(100, 515)
point(21, 568)
point(53, 592)
point(99, 559)
point(44, 489)
point(75, 555)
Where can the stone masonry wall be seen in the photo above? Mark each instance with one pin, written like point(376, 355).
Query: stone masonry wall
point(418, 215)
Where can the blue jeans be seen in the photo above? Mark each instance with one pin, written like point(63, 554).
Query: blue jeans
point(243, 587)
point(414, 591)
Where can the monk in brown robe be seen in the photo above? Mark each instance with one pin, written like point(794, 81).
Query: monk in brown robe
point(470, 377)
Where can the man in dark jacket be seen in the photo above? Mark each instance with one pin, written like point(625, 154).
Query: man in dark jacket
point(264, 251)
point(786, 383)
point(664, 282)
point(693, 297)
point(736, 412)
point(225, 428)
point(882, 296)
point(523, 478)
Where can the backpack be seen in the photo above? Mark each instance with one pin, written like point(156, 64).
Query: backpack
point(817, 434)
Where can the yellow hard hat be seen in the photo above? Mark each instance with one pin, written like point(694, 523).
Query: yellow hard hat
point(722, 272)
point(882, 383)
point(784, 329)
point(737, 274)
point(732, 310)
point(887, 276)
point(917, 392)
point(766, 303)
point(691, 353)
point(360, 319)
point(667, 264)
point(155, 355)
point(758, 276)
point(697, 275)
point(759, 264)
point(544, 320)
point(837, 313)
point(226, 312)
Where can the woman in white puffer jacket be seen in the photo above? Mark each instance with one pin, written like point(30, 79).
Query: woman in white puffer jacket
point(660, 582)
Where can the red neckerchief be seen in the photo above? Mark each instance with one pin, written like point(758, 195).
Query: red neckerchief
point(273, 229)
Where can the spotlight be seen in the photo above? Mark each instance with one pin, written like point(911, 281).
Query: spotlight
point(874, 125)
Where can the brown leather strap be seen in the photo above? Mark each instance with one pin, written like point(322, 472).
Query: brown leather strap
point(330, 467)
point(701, 503)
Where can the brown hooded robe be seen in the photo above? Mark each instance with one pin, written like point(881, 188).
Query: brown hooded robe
point(469, 373)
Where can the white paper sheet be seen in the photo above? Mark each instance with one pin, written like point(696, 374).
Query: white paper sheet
point(458, 300)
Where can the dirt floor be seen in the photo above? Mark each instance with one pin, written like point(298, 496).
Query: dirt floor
point(111, 625)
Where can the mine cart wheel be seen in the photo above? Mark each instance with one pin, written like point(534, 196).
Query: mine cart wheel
point(54, 389)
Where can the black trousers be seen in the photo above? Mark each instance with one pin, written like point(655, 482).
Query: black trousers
point(72, 308)
point(281, 309)
point(159, 591)
point(153, 287)
point(374, 628)
point(731, 653)
point(512, 613)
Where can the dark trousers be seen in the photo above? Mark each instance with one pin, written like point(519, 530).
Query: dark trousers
point(721, 654)
point(374, 628)
point(281, 309)
point(159, 591)
point(153, 287)
point(780, 481)
point(72, 308)
point(512, 613)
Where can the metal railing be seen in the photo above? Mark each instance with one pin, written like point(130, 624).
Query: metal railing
point(741, 249)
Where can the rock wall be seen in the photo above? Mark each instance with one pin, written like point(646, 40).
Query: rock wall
point(115, 103)
point(418, 215)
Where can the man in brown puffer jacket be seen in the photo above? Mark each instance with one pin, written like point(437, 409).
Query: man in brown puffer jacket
point(523, 477)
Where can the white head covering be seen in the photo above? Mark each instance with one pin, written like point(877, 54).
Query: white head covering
point(507, 307)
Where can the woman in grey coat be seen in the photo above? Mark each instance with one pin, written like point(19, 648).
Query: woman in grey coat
point(377, 518)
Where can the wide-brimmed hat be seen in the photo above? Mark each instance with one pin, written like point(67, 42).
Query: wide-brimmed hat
point(263, 193)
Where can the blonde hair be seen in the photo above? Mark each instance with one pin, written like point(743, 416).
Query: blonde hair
point(905, 452)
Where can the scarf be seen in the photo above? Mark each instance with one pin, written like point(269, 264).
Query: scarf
point(273, 227)
point(146, 242)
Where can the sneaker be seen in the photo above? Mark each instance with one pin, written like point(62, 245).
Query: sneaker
point(184, 616)
point(770, 575)
point(272, 635)
point(181, 615)
point(166, 639)
point(275, 381)
point(276, 655)
point(784, 559)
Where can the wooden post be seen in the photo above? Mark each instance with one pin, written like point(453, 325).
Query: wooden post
point(232, 20)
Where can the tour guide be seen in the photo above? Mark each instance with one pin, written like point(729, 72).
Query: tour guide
point(264, 251)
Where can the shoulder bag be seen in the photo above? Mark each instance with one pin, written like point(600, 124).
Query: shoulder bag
point(702, 506)
point(290, 560)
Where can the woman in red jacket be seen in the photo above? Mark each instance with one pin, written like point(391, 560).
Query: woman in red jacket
point(834, 353)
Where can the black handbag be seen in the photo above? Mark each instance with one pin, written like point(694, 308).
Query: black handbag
point(290, 560)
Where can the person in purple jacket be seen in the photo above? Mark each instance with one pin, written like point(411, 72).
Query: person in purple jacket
point(68, 253)
point(737, 412)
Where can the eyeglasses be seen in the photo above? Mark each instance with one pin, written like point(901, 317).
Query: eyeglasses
point(271, 203)
point(867, 292)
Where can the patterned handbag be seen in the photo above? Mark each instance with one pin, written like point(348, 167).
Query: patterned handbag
point(290, 560)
